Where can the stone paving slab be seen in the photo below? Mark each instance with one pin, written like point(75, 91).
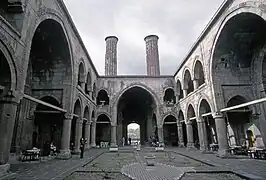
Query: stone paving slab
point(54, 169)
point(157, 172)
point(255, 169)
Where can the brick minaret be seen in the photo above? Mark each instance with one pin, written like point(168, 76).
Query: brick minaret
point(152, 55)
point(111, 56)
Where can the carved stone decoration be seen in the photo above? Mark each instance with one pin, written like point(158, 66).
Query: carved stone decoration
point(15, 6)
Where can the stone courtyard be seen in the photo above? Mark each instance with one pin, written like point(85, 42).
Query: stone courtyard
point(127, 163)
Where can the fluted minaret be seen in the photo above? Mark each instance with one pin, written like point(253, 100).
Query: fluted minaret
point(111, 56)
point(152, 55)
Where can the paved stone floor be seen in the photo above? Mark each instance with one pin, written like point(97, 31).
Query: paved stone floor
point(250, 167)
point(52, 170)
point(101, 164)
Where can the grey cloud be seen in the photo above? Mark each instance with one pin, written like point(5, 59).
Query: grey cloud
point(177, 22)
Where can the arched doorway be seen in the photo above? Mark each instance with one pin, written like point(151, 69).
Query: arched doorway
point(88, 88)
point(81, 76)
point(102, 98)
point(238, 121)
point(188, 83)
point(47, 124)
point(192, 118)
point(206, 114)
point(170, 131)
point(133, 133)
point(92, 131)
point(199, 73)
point(49, 71)
point(103, 130)
point(86, 118)
point(137, 105)
point(7, 120)
point(181, 120)
point(179, 90)
point(169, 97)
point(74, 138)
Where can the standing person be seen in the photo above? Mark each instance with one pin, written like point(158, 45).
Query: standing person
point(123, 141)
point(129, 140)
point(82, 144)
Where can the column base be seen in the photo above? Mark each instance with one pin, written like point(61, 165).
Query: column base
point(93, 145)
point(4, 172)
point(190, 145)
point(113, 148)
point(76, 151)
point(181, 145)
point(64, 154)
point(223, 153)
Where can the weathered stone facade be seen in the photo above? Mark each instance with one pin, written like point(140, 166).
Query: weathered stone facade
point(47, 74)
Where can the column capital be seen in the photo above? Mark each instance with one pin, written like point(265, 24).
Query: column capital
point(68, 116)
point(188, 122)
point(113, 125)
point(218, 115)
point(201, 119)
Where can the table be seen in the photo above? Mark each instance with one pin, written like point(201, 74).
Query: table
point(33, 154)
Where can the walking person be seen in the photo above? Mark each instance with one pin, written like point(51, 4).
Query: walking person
point(123, 141)
point(82, 144)
point(129, 140)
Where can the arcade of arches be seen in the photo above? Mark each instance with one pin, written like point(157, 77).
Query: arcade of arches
point(65, 106)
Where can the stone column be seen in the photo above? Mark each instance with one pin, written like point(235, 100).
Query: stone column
point(8, 108)
point(65, 151)
point(93, 133)
point(149, 125)
point(87, 134)
point(203, 140)
point(160, 135)
point(78, 135)
point(113, 136)
point(221, 134)
point(196, 84)
point(190, 141)
point(180, 135)
point(185, 92)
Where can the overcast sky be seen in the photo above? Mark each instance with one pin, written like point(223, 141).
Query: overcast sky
point(178, 23)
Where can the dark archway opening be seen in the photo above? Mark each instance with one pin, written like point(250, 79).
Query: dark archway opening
point(102, 98)
point(103, 130)
point(170, 131)
point(94, 91)
point(93, 119)
point(74, 126)
point(137, 105)
point(81, 75)
point(199, 73)
point(205, 112)
point(237, 119)
point(5, 75)
point(188, 83)
point(169, 97)
point(88, 88)
point(47, 124)
point(179, 90)
point(49, 62)
point(49, 65)
point(192, 117)
point(181, 120)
